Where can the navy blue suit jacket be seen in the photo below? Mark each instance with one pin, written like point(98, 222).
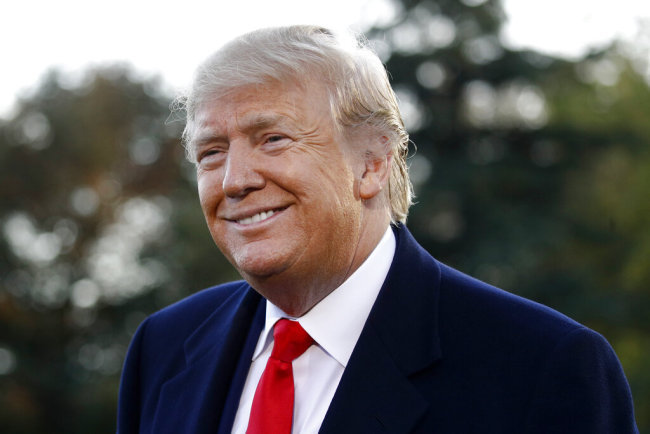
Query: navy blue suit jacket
point(440, 353)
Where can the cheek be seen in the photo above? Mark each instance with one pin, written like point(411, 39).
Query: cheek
point(209, 191)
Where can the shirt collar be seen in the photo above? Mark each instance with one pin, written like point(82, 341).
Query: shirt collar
point(336, 322)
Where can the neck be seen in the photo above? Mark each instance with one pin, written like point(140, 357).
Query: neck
point(296, 294)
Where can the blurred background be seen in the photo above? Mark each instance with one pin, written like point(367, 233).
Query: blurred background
point(532, 171)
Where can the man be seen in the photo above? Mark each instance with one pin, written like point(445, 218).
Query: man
point(300, 154)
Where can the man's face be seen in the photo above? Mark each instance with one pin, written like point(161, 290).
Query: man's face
point(278, 185)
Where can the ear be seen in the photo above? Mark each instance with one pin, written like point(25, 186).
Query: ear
point(377, 171)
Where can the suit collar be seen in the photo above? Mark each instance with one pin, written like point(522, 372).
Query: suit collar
point(406, 310)
point(399, 339)
point(198, 399)
point(227, 322)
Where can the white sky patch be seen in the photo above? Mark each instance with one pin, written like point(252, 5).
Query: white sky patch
point(163, 37)
point(569, 28)
point(171, 38)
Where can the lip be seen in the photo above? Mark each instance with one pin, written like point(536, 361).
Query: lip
point(255, 217)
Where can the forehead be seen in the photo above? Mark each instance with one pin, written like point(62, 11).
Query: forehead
point(258, 106)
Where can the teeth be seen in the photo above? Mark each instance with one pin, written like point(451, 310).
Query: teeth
point(256, 218)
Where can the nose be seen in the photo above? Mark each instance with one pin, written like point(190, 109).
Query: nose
point(242, 175)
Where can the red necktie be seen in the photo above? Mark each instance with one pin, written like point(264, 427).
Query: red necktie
point(272, 410)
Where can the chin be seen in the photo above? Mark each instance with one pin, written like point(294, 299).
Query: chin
point(262, 258)
point(260, 266)
point(259, 273)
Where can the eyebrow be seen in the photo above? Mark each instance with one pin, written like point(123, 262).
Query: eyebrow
point(259, 121)
point(247, 124)
point(207, 137)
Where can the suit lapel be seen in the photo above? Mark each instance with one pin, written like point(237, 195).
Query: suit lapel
point(377, 392)
point(193, 401)
point(373, 395)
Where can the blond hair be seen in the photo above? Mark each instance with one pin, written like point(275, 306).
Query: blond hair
point(359, 90)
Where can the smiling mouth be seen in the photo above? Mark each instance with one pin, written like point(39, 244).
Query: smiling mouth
point(259, 217)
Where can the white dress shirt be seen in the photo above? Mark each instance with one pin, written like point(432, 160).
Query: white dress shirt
point(335, 323)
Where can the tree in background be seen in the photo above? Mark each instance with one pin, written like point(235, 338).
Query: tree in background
point(100, 226)
point(532, 173)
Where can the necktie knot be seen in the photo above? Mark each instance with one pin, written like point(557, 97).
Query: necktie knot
point(290, 340)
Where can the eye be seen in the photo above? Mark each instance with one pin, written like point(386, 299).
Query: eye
point(210, 156)
point(275, 138)
point(209, 153)
point(275, 142)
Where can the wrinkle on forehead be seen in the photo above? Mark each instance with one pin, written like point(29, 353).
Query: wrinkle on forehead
point(257, 107)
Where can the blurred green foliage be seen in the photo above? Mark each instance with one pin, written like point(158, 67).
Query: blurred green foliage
point(532, 173)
